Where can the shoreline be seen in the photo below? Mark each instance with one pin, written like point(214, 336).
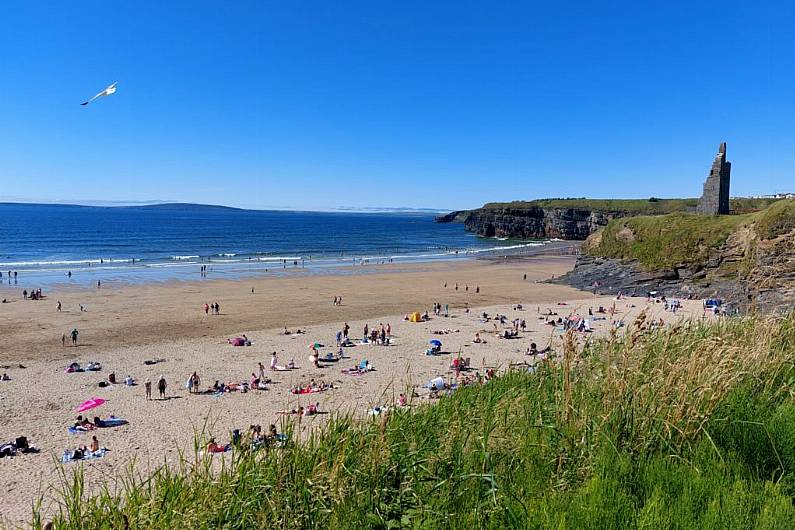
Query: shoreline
point(85, 273)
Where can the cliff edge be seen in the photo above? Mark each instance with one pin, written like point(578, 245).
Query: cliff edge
point(748, 259)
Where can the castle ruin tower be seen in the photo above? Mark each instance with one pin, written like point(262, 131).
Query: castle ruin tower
point(715, 198)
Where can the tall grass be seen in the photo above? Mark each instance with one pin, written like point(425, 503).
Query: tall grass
point(693, 427)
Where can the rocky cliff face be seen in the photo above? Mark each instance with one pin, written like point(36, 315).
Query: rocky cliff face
point(747, 270)
point(532, 223)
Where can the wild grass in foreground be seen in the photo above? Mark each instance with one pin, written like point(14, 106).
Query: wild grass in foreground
point(693, 427)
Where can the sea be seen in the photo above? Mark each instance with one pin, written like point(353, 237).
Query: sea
point(80, 245)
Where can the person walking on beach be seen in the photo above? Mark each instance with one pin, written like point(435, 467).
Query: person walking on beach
point(345, 329)
point(161, 387)
point(74, 336)
point(58, 307)
point(148, 387)
point(63, 340)
point(206, 308)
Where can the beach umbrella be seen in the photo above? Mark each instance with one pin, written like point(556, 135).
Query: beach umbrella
point(90, 404)
point(435, 342)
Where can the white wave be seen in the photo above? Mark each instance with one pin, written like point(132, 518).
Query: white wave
point(180, 258)
point(506, 247)
point(46, 263)
point(278, 258)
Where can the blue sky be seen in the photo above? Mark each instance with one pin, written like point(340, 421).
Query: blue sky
point(423, 104)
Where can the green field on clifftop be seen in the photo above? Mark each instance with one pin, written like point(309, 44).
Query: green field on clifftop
point(627, 206)
point(665, 242)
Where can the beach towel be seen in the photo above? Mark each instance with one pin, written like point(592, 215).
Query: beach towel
point(112, 422)
point(353, 371)
point(67, 455)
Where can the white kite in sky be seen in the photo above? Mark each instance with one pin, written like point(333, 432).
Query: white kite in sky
point(107, 92)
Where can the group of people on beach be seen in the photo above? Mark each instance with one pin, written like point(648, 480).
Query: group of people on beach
point(10, 275)
point(35, 294)
point(466, 287)
point(214, 307)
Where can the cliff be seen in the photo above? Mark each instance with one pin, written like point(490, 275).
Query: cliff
point(569, 218)
point(745, 259)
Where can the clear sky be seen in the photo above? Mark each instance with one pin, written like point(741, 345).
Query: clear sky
point(322, 104)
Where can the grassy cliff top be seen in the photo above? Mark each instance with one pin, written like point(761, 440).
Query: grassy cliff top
point(664, 242)
point(650, 206)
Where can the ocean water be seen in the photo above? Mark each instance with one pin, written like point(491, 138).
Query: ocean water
point(43, 243)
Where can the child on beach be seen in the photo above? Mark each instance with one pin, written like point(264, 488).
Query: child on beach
point(161, 387)
point(148, 387)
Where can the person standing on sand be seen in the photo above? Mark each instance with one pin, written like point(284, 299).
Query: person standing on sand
point(74, 336)
point(58, 307)
point(161, 387)
point(148, 387)
point(206, 308)
point(345, 329)
point(63, 340)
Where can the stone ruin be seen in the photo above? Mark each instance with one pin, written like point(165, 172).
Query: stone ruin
point(715, 198)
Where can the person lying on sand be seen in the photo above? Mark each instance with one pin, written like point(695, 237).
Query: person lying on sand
point(83, 425)
point(213, 447)
point(292, 412)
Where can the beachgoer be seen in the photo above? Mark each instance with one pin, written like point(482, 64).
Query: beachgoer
point(94, 444)
point(63, 340)
point(148, 387)
point(274, 360)
point(74, 336)
point(161, 387)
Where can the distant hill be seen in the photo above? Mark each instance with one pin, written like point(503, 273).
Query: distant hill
point(183, 207)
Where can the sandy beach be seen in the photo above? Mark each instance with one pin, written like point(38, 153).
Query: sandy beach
point(124, 325)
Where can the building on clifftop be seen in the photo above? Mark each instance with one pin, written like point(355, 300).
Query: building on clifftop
point(715, 198)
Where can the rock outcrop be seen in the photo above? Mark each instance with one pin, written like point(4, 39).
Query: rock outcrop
point(532, 223)
point(753, 267)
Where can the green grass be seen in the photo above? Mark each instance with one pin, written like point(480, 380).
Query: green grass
point(665, 242)
point(627, 206)
point(777, 220)
point(690, 428)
